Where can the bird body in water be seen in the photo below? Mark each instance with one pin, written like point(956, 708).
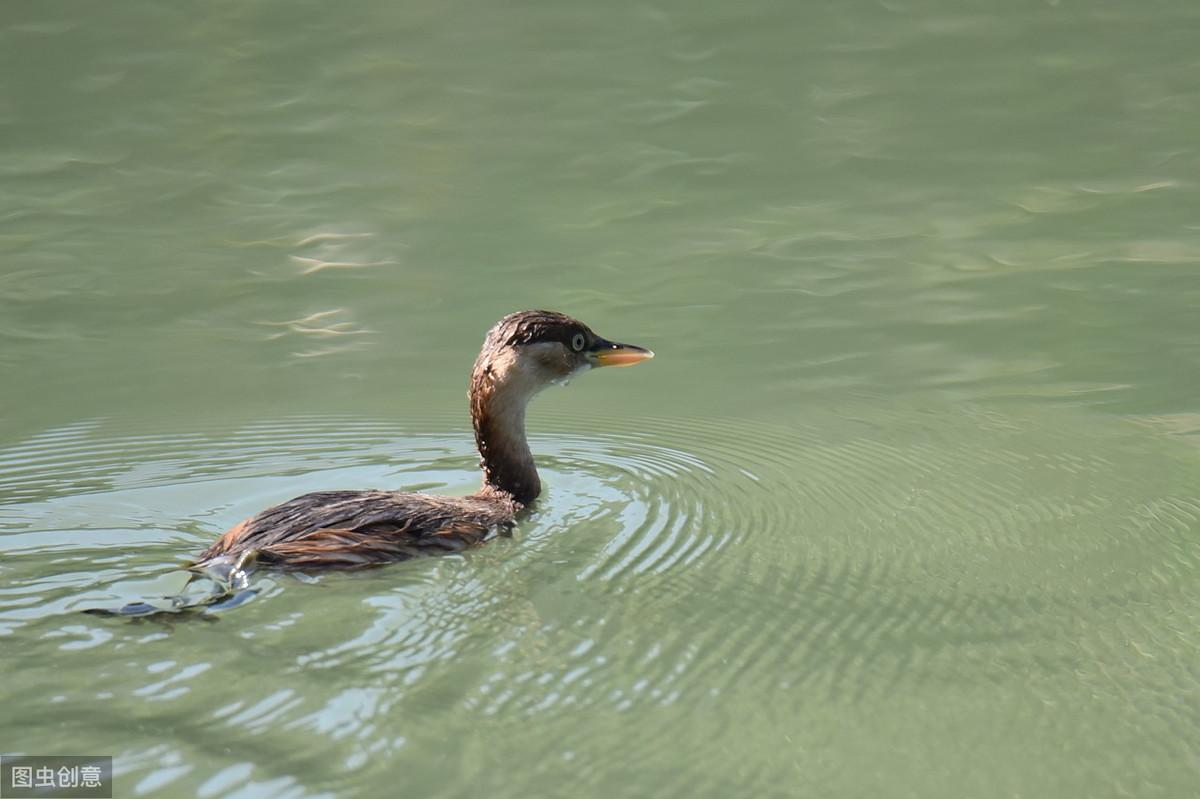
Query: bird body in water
point(522, 354)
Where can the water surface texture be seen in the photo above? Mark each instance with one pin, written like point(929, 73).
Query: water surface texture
point(908, 505)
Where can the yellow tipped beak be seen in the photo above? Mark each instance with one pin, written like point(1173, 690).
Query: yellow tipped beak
point(606, 353)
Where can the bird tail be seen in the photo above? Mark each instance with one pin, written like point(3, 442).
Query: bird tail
point(215, 584)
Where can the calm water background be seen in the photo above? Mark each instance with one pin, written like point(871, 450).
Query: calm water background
point(908, 505)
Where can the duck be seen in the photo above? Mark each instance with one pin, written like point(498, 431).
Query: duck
point(522, 354)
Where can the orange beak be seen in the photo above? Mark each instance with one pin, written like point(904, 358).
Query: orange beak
point(607, 353)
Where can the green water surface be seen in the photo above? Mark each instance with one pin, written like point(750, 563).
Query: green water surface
point(908, 505)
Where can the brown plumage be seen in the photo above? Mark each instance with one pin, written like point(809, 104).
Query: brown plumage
point(522, 354)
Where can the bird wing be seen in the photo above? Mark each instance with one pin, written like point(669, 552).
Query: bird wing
point(357, 528)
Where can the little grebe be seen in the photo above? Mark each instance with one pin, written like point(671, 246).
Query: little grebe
point(522, 354)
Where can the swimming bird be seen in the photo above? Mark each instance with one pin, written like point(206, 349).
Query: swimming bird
point(522, 354)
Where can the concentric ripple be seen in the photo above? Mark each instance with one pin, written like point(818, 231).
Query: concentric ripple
point(860, 554)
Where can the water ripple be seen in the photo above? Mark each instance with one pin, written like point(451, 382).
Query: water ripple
point(862, 553)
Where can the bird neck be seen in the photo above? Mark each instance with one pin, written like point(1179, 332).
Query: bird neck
point(499, 419)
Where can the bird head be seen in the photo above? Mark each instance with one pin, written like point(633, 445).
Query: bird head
point(526, 351)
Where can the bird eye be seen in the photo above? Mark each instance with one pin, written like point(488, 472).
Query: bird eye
point(577, 342)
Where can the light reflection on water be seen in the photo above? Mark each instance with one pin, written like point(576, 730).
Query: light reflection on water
point(977, 548)
point(906, 506)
